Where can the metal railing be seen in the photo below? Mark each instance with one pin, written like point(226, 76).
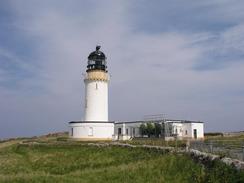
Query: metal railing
point(227, 149)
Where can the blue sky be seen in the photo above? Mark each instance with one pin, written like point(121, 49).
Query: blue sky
point(184, 59)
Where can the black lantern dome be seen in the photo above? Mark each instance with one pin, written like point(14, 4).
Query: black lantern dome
point(97, 60)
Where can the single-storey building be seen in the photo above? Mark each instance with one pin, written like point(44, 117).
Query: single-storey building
point(169, 129)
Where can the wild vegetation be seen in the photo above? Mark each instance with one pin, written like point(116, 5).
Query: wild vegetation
point(158, 142)
point(151, 129)
point(228, 140)
point(58, 160)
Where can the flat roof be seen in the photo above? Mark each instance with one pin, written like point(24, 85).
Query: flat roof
point(159, 121)
point(72, 122)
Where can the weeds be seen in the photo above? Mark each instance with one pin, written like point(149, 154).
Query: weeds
point(63, 161)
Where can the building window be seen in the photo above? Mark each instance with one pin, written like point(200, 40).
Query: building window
point(127, 131)
point(195, 133)
point(133, 132)
point(72, 131)
point(96, 86)
point(90, 131)
point(186, 132)
point(119, 131)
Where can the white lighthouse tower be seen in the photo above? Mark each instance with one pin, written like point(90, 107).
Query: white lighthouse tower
point(95, 125)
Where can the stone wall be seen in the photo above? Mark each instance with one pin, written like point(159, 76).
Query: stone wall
point(202, 157)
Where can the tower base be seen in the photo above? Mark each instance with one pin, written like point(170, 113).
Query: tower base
point(91, 130)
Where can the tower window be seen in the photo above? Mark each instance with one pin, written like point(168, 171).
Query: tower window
point(96, 86)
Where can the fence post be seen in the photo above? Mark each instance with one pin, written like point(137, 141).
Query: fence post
point(176, 145)
point(187, 145)
point(242, 153)
point(211, 147)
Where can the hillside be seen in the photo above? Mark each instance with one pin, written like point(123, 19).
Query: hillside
point(55, 159)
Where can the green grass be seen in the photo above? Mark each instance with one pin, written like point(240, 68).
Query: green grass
point(157, 142)
point(77, 162)
point(227, 140)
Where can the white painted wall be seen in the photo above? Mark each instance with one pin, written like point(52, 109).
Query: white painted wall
point(180, 127)
point(96, 100)
point(200, 130)
point(124, 127)
point(91, 130)
point(187, 130)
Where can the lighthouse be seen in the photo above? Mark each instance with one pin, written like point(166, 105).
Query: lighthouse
point(96, 87)
point(95, 125)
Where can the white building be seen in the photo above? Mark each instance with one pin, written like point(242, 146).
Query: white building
point(95, 125)
point(180, 129)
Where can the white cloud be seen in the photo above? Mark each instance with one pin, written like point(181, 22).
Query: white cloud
point(233, 39)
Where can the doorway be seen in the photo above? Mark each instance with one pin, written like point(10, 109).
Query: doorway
point(119, 131)
point(195, 133)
